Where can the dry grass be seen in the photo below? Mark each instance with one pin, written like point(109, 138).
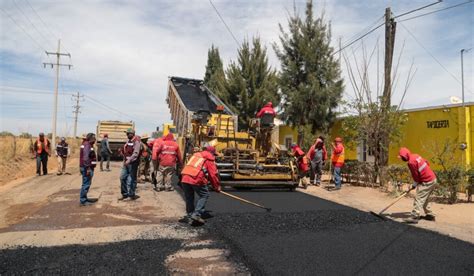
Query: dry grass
point(16, 158)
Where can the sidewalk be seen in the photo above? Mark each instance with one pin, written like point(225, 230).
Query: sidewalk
point(455, 220)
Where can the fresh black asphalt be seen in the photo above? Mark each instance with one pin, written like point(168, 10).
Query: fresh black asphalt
point(306, 235)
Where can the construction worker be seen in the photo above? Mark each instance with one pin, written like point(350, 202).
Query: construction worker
point(424, 182)
point(87, 163)
point(303, 164)
point(131, 159)
point(198, 172)
point(337, 159)
point(154, 157)
point(145, 158)
point(168, 156)
point(62, 153)
point(266, 109)
point(105, 153)
point(41, 149)
point(318, 156)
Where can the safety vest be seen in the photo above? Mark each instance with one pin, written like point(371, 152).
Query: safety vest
point(194, 165)
point(170, 150)
point(62, 149)
point(338, 158)
point(39, 146)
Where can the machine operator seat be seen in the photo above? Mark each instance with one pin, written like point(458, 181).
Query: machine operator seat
point(267, 121)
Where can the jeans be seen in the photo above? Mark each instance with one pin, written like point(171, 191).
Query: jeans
point(203, 195)
point(42, 159)
point(337, 177)
point(104, 157)
point(317, 169)
point(86, 183)
point(128, 179)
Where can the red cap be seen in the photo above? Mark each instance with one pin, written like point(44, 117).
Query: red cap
point(106, 135)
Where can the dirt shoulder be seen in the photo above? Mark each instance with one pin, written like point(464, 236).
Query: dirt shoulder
point(455, 220)
point(44, 212)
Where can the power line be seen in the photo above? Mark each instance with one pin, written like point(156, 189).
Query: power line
point(418, 9)
point(225, 24)
point(364, 30)
point(428, 13)
point(26, 90)
point(31, 23)
point(41, 19)
point(429, 53)
point(23, 29)
point(359, 38)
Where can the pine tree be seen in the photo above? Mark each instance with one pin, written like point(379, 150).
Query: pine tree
point(251, 82)
point(310, 77)
point(214, 77)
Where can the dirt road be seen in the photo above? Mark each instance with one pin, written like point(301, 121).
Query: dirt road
point(143, 236)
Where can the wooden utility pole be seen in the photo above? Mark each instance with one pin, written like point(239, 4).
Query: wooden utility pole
point(58, 54)
point(390, 28)
point(76, 111)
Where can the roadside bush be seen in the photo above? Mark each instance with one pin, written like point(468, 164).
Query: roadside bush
point(359, 173)
point(395, 176)
point(449, 181)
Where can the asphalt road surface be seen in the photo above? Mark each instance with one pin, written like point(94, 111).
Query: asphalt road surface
point(306, 235)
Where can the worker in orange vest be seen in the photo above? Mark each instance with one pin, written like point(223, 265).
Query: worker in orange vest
point(198, 172)
point(337, 159)
point(41, 150)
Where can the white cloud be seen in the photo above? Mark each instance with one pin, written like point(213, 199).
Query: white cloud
point(123, 52)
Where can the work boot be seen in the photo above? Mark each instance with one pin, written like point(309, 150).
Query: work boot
point(123, 197)
point(198, 220)
point(134, 197)
point(429, 217)
point(412, 220)
point(59, 173)
point(87, 203)
point(169, 189)
point(92, 200)
point(184, 219)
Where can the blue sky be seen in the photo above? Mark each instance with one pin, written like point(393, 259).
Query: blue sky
point(124, 51)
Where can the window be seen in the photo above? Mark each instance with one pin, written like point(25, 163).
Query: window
point(288, 142)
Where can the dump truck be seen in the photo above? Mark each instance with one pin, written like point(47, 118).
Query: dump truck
point(245, 158)
point(117, 135)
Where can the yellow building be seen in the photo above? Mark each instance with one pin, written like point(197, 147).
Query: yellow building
point(424, 129)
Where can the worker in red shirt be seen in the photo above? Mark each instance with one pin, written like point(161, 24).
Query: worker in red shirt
point(424, 182)
point(169, 156)
point(266, 109)
point(303, 164)
point(154, 157)
point(198, 172)
point(337, 159)
point(318, 155)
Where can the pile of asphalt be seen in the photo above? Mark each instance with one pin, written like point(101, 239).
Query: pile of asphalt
point(142, 257)
point(306, 235)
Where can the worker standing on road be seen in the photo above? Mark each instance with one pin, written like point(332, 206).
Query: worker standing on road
point(303, 164)
point(145, 158)
point(62, 153)
point(131, 158)
point(41, 152)
point(169, 156)
point(337, 159)
point(154, 157)
point(425, 183)
point(87, 163)
point(105, 153)
point(198, 172)
point(318, 156)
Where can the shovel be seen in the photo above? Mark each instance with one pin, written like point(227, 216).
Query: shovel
point(379, 214)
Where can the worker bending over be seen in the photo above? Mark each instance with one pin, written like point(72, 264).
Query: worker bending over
point(303, 164)
point(198, 172)
point(425, 183)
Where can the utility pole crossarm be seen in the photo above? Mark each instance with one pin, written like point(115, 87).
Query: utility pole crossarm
point(58, 54)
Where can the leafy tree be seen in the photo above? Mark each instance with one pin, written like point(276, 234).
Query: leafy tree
point(251, 82)
point(214, 77)
point(6, 133)
point(25, 135)
point(310, 78)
